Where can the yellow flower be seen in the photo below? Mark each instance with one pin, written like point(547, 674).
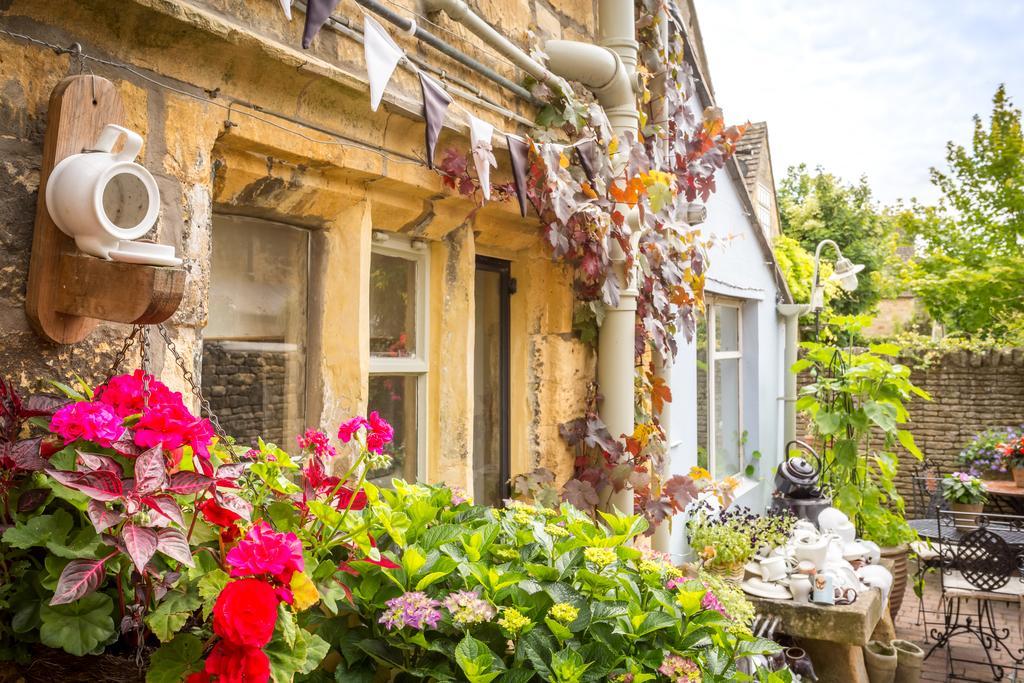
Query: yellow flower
point(512, 620)
point(709, 553)
point(555, 530)
point(304, 592)
point(564, 612)
point(699, 473)
point(602, 557)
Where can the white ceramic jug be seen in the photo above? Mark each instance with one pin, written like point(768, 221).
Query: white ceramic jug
point(100, 198)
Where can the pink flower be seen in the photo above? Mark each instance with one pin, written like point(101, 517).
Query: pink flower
point(316, 441)
point(123, 393)
point(350, 427)
point(265, 551)
point(86, 420)
point(173, 426)
point(380, 433)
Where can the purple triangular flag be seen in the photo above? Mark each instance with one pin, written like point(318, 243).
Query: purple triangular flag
point(317, 14)
point(585, 152)
point(518, 154)
point(435, 105)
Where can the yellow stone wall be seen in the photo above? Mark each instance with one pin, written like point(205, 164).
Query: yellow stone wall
point(208, 159)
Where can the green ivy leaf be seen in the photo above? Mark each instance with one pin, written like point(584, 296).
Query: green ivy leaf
point(174, 660)
point(40, 530)
point(172, 613)
point(302, 657)
point(209, 587)
point(78, 627)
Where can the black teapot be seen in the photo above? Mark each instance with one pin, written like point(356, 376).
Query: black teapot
point(798, 477)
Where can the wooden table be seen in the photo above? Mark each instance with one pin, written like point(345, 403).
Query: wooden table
point(1008, 491)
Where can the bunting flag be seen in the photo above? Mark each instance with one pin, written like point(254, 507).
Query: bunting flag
point(286, 5)
point(585, 150)
point(518, 154)
point(382, 56)
point(480, 133)
point(317, 14)
point(435, 106)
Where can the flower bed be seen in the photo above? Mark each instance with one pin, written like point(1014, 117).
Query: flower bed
point(129, 530)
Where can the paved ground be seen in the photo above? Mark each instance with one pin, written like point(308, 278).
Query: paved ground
point(963, 646)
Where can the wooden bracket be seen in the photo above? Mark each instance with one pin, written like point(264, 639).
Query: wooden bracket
point(69, 292)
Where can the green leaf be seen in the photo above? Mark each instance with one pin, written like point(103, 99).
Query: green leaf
point(413, 560)
point(78, 627)
point(40, 530)
point(286, 620)
point(828, 423)
point(655, 621)
point(209, 587)
point(906, 439)
point(845, 452)
point(886, 349)
point(882, 414)
point(172, 613)
point(301, 658)
point(173, 661)
point(430, 579)
point(477, 661)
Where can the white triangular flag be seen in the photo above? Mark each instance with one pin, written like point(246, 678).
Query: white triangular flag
point(382, 56)
point(480, 133)
point(286, 5)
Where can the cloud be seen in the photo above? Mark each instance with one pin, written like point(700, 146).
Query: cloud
point(871, 88)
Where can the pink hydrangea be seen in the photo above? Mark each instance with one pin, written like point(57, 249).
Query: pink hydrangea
point(415, 610)
point(264, 551)
point(89, 421)
point(680, 669)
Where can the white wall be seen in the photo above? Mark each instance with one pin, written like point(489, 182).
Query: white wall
point(739, 270)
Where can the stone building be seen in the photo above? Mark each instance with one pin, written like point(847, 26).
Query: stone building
point(330, 272)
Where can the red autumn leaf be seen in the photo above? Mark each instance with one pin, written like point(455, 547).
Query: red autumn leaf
point(660, 394)
point(140, 543)
point(97, 485)
point(101, 516)
point(680, 490)
point(27, 454)
point(580, 494)
point(96, 461)
point(79, 578)
point(231, 502)
point(187, 483)
point(31, 499)
point(173, 544)
point(151, 471)
point(166, 507)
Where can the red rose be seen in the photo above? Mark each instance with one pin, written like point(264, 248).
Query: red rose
point(238, 664)
point(215, 514)
point(245, 613)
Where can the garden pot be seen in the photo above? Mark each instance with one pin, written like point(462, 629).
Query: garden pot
point(1018, 477)
point(881, 662)
point(732, 574)
point(798, 662)
point(898, 555)
point(910, 659)
point(965, 522)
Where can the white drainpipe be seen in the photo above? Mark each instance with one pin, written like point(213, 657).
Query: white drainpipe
point(791, 314)
point(609, 71)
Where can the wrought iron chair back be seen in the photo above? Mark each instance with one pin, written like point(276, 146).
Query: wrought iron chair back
point(985, 549)
point(926, 497)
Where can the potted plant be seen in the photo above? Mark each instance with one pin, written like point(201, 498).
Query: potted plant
point(983, 457)
point(722, 539)
point(964, 493)
point(1013, 458)
point(857, 408)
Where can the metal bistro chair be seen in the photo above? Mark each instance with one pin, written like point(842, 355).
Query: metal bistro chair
point(979, 568)
point(926, 501)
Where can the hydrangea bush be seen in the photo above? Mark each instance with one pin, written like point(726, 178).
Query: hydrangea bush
point(530, 594)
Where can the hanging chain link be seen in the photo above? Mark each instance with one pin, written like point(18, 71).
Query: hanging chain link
point(193, 385)
point(145, 371)
point(120, 355)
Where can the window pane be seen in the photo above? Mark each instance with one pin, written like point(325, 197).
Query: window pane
point(392, 306)
point(254, 365)
point(488, 484)
point(702, 393)
point(727, 332)
point(394, 397)
point(728, 431)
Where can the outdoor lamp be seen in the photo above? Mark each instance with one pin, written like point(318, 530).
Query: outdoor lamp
point(845, 274)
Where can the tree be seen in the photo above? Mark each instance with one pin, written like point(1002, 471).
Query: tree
point(968, 270)
point(818, 206)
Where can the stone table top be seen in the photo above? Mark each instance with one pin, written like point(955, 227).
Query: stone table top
point(846, 624)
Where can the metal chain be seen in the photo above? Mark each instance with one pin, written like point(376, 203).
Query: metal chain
point(145, 371)
point(190, 380)
point(120, 355)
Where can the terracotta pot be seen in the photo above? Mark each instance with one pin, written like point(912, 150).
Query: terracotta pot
point(898, 555)
point(1018, 477)
point(966, 522)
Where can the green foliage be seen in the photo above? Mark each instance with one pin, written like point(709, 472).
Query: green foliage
point(969, 270)
point(817, 206)
point(797, 264)
point(562, 598)
point(857, 409)
point(960, 487)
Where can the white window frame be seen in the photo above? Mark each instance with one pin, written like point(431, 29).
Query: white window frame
point(764, 206)
point(418, 365)
point(713, 356)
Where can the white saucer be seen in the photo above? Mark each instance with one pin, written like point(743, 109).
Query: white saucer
point(764, 589)
point(147, 253)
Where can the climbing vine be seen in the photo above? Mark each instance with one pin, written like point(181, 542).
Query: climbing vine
point(629, 193)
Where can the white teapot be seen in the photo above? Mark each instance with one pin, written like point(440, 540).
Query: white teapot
point(104, 201)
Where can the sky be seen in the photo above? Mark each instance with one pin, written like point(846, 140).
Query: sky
point(864, 87)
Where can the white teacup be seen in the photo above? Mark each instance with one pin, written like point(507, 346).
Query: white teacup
point(773, 568)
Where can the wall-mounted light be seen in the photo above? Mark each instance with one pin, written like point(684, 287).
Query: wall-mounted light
point(380, 236)
point(844, 274)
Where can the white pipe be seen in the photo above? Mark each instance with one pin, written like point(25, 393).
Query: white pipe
point(791, 314)
point(616, 30)
point(603, 72)
point(460, 12)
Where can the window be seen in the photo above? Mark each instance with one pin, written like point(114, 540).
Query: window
point(764, 206)
point(720, 433)
point(398, 351)
point(254, 345)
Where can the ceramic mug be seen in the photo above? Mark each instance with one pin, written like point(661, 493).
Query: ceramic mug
point(812, 549)
point(773, 568)
point(824, 592)
point(800, 585)
point(100, 198)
